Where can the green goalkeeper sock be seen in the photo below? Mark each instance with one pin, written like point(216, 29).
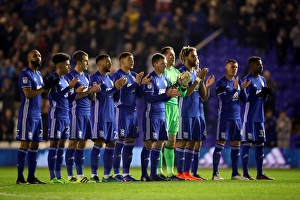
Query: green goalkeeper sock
point(170, 158)
point(160, 163)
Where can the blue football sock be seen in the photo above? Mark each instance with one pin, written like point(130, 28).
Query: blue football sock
point(145, 154)
point(21, 161)
point(95, 156)
point(259, 157)
point(216, 158)
point(117, 156)
point(235, 153)
point(154, 158)
point(127, 156)
point(69, 158)
point(179, 157)
point(59, 162)
point(79, 161)
point(188, 159)
point(108, 159)
point(52, 161)
point(31, 157)
point(245, 157)
point(195, 162)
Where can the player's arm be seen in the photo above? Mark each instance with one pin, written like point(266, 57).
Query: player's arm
point(32, 93)
point(223, 94)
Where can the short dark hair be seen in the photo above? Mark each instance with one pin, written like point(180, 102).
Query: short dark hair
point(157, 57)
point(101, 57)
point(165, 49)
point(124, 55)
point(230, 61)
point(60, 57)
point(77, 56)
point(253, 59)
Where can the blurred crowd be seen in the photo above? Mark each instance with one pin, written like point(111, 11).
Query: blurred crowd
point(138, 26)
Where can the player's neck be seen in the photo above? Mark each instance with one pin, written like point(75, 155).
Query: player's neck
point(125, 70)
point(33, 68)
point(229, 77)
point(157, 73)
point(169, 67)
point(76, 68)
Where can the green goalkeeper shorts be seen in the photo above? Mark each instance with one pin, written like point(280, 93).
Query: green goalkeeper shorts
point(171, 112)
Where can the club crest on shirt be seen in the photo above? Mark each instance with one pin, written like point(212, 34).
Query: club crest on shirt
point(25, 80)
point(149, 85)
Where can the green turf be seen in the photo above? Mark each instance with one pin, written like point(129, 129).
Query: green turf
point(286, 186)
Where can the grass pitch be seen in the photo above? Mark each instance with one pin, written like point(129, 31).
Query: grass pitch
point(286, 186)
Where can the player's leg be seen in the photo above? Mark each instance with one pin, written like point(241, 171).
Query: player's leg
point(247, 139)
point(52, 157)
point(171, 113)
point(216, 159)
point(22, 152)
point(69, 159)
point(110, 136)
point(117, 156)
point(197, 149)
point(33, 151)
point(95, 157)
point(260, 138)
point(127, 158)
point(145, 157)
point(159, 127)
point(79, 158)
point(122, 132)
point(59, 161)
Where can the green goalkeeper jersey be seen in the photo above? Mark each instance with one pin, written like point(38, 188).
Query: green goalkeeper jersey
point(171, 74)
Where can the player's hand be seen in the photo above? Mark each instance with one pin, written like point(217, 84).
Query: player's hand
point(73, 82)
point(268, 90)
point(50, 82)
point(202, 73)
point(210, 80)
point(146, 79)
point(94, 89)
point(236, 83)
point(245, 84)
point(120, 82)
point(81, 89)
point(172, 92)
point(139, 77)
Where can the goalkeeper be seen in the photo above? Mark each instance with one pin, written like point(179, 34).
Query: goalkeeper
point(179, 81)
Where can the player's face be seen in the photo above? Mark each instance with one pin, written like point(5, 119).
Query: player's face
point(197, 67)
point(128, 62)
point(170, 56)
point(106, 64)
point(192, 59)
point(84, 64)
point(231, 68)
point(35, 59)
point(258, 67)
point(65, 67)
point(160, 66)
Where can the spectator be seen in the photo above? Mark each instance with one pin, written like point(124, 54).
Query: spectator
point(283, 128)
point(270, 103)
point(7, 126)
point(295, 37)
point(270, 128)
